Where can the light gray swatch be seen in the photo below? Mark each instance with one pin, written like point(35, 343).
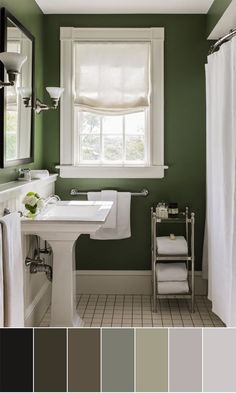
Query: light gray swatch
point(117, 360)
point(185, 365)
point(219, 360)
point(152, 360)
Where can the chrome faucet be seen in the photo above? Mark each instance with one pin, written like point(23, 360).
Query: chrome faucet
point(51, 199)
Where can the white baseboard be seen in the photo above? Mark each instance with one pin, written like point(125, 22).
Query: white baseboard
point(125, 282)
point(37, 308)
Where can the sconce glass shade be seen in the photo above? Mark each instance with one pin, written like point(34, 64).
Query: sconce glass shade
point(12, 61)
point(55, 92)
point(25, 92)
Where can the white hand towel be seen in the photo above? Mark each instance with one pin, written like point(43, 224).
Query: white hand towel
point(122, 230)
point(108, 195)
point(167, 246)
point(172, 287)
point(94, 196)
point(1, 283)
point(13, 271)
point(172, 271)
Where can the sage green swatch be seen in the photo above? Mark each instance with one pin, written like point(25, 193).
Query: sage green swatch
point(117, 360)
point(152, 360)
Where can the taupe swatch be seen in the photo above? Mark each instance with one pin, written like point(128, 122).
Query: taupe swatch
point(219, 359)
point(50, 360)
point(185, 366)
point(84, 360)
point(117, 360)
point(152, 360)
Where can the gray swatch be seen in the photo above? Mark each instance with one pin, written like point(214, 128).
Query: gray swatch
point(83, 360)
point(152, 360)
point(50, 360)
point(219, 360)
point(117, 360)
point(185, 366)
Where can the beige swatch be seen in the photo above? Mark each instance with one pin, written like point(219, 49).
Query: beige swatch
point(152, 360)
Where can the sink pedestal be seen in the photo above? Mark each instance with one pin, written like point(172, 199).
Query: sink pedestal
point(62, 239)
point(63, 287)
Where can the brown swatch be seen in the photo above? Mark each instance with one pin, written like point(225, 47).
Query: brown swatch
point(50, 360)
point(84, 360)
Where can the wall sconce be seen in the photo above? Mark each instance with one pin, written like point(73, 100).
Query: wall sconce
point(54, 92)
point(12, 62)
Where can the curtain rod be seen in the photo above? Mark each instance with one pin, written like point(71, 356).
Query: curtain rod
point(222, 40)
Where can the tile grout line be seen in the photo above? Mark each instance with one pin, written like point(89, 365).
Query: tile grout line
point(104, 310)
point(94, 311)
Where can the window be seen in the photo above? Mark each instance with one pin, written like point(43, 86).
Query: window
point(111, 140)
point(112, 108)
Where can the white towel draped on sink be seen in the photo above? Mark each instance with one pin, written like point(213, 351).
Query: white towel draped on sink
point(12, 268)
point(120, 214)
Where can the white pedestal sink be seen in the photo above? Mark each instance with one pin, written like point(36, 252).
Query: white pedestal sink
point(60, 225)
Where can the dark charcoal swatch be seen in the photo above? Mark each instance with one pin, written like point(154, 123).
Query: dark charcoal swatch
point(16, 360)
point(84, 360)
point(50, 360)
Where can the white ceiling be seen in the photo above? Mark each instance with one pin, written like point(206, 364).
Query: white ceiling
point(125, 6)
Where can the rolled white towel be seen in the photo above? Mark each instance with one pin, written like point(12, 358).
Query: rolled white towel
point(172, 287)
point(166, 246)
point(39, 173)
point(172, 271)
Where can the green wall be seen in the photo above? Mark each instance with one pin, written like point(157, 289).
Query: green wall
point(215, 13)
point(185, 55)
point(30, 15)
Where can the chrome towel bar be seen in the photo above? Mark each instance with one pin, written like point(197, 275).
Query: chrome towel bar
point(7, 211)
point(76, 192)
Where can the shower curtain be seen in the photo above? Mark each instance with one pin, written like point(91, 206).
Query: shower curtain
point(220, 234)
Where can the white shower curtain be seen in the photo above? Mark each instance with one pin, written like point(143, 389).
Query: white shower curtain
point(220, 236)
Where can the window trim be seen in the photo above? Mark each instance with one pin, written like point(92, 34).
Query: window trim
point(67, 137)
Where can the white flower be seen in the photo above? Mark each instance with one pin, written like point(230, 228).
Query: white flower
point(40, 203)
point(31, 200)
point(26, 200)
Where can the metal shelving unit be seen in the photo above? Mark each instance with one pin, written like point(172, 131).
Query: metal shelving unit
point(189, 258)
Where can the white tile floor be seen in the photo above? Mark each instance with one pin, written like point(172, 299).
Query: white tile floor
point(136, 311)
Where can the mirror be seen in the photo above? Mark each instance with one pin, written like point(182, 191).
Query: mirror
point(16, 121)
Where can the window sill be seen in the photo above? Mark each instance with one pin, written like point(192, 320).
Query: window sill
point(152, 172)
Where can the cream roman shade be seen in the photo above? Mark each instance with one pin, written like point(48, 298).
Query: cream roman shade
point(112, 77)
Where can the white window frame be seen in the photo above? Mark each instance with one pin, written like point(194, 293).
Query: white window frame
point(67, 132)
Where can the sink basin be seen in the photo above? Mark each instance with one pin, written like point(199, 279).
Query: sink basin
point(78, 211)
point(60, 225)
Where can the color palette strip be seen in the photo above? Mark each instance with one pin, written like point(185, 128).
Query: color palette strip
point(142, 359)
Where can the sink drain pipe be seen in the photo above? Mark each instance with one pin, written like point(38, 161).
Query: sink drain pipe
point(37, 264)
